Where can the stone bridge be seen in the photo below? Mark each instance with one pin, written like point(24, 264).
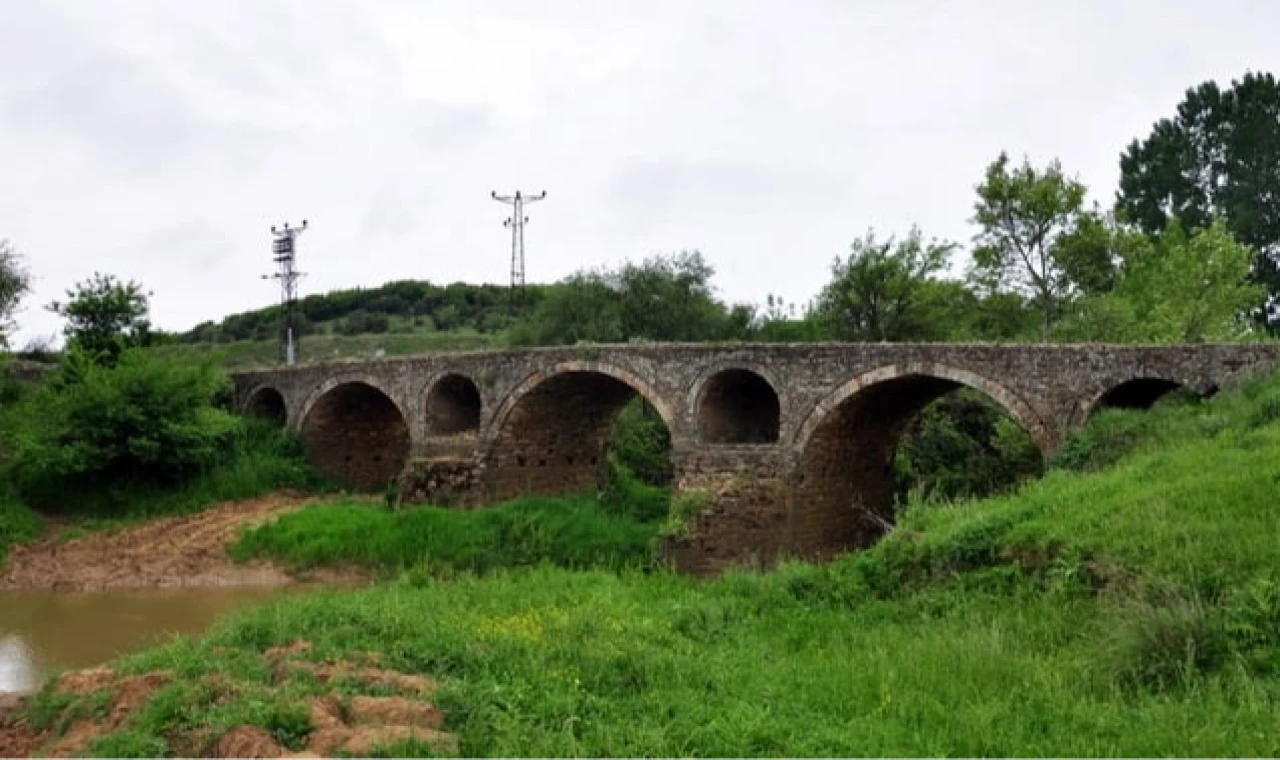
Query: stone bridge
point(794, 443)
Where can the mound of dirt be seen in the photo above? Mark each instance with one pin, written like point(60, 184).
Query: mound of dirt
point(128, 693)
point(166, 553)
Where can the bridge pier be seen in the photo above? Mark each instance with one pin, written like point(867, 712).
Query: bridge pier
point(792, 444)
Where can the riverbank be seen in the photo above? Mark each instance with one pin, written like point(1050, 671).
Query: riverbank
point(186, 551)
point(1126, 604)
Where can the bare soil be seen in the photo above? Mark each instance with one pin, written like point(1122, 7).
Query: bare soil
point(166, 553)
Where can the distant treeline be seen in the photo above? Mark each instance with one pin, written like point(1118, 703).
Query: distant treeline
point(411, 304)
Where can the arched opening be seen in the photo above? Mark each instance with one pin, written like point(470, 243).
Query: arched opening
point(849, 478)
point(1139, 393)
point(558, 436)
point(356, 434)
point(738, 406)
point(267, 404)
point(453, 406)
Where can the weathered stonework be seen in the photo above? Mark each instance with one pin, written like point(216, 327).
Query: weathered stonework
point(794, 442)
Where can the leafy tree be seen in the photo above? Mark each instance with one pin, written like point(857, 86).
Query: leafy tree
point(666, 298)
point(582, 308)
point(1191, 288)
point(15, 282)
point(1181, 288)
point(1218, 156)
point(876, 293)
point(105, 317)
point(669, 298)
point(1036, 237)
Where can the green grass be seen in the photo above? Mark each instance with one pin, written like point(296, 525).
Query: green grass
point(328, 346)
point(17, 525)
point(1133, 610)
point(571, 532)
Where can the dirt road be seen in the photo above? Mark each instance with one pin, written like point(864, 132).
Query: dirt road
point(166, 553)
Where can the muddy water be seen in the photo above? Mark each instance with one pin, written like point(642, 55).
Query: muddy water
point(47, 630)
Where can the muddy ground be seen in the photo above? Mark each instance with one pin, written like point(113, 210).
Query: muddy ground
point(167, 553)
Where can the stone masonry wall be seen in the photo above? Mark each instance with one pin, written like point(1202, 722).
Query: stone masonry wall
point(820, 487)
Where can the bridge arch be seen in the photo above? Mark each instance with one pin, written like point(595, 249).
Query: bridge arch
point(355, 432)
point(736, 404)
point(267, 403)
point(1140, 391)
point(841, 482)
point(452, 405)
point(550, 435)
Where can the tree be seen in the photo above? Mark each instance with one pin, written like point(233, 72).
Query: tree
point(104, 317)
point(1180, 288)
point(667, 298)
point(876, 294)
point(15, 282)
point(1035, 237)
point(1218, 156)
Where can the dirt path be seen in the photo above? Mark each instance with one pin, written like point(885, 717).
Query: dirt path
point(166, 553)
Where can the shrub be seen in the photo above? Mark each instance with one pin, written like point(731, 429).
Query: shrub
point(145, 420)
point(685, 507)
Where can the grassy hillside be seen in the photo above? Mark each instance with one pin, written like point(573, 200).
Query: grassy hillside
point(328, 346)
point(1128, 603)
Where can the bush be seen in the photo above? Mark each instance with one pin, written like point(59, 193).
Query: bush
point(143, 436)
point(144, 421)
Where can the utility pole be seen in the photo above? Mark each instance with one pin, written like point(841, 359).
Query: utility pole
point(516, 222)
point(283, 252)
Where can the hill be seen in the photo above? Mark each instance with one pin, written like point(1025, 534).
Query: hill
point(1126, 604)
point(402, 317)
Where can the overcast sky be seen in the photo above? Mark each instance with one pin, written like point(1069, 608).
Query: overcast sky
point(159, 140)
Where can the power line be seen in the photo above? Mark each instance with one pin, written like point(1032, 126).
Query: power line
point(516, 222)
point(283, 253)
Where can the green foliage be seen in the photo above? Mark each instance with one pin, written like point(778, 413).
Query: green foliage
point(685, 508)
point(1029, 240)
point(1182, 288)
point(876, 294)
point(668, 298)
point(360, 322)
point(964, 446)
point(641, 443)
point(105, 317)
point(141, 437)
point(15, 282)
point(1215, 158)
point(574, 532)
point(142, 421)
point(17, 525)
point(455, 307)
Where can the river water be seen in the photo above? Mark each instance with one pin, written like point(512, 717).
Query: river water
point(42, 631)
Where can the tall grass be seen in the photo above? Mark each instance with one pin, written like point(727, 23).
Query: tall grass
point(17, 525)
point(582, 531)
point(572, 532)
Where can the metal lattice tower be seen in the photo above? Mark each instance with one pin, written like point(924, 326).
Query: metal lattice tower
point(284, 253)
point(516, 222)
